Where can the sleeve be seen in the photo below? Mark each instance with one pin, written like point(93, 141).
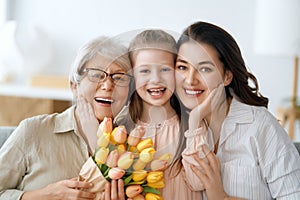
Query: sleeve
point(194, 141)
point(280, 162)
point(13, 164)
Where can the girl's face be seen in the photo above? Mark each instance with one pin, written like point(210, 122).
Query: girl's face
point(154, 76)
point(198, 71)
point(106, 98)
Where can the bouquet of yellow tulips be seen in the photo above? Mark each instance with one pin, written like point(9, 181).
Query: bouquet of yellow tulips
point(131, 158)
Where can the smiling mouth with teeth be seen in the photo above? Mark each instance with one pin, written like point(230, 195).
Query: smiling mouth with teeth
point(193, 92)
point(103, 100)
point(156, 91)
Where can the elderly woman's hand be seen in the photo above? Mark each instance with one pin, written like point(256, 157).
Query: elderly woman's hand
point(65, 189)
point(87, 121)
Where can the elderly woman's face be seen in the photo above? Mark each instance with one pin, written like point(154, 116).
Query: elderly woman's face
point(106, 98)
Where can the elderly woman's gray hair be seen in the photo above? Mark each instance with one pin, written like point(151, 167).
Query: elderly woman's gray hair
point(110, 48)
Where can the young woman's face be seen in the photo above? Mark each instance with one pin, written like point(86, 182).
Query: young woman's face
point(154, 76)
point(106, 98)
point(198, 72)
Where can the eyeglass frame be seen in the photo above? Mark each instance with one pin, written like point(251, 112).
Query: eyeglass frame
point(86, 70)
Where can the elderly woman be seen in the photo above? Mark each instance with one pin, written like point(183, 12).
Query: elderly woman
point(45, 153)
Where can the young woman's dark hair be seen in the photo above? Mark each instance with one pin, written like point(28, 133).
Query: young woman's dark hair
point(231, 57)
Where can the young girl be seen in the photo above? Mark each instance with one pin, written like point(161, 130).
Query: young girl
point(257, 158)
point(154, 105)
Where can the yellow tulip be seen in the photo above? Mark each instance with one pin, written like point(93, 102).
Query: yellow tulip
point(146, 143)
point(154, 177)
point(139, 165)
point(132, 149)
point(138, 197)
point(147, 155)
point(152, 196)
point(121, 148)
point(101, 155)
point(133, 190)
point(125, 160)
point(158, 184)
point(158, 165)
point(120, 134)
point(139, 175)
point(166, 156)
point(136, 135)
point(103, 139)
point(105, 126)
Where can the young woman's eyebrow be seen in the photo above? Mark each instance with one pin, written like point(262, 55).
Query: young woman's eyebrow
point(180, 60)
point(206, 63)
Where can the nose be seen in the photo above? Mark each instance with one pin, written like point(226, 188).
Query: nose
point(155, 76)
point(191, 76)
point(107, 83)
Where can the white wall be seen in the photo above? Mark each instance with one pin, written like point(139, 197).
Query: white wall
point(70, 23)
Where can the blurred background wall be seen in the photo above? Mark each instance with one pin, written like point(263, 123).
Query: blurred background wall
point(62, 26)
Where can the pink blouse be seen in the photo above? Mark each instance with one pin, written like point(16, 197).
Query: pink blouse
point(166, 140)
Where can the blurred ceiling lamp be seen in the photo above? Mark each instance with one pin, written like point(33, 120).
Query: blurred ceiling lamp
point(277, 33)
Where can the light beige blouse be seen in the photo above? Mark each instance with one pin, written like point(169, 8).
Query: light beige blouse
point(42, 150)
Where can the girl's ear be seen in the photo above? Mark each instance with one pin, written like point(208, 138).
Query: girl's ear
point(228, 78)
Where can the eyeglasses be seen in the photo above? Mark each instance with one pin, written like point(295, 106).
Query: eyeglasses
point(98, 75)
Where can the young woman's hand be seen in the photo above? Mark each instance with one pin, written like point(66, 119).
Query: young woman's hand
point(114, 190)
point(65, 189)
point(87, 120)
point(210, 175)
point(213, 106)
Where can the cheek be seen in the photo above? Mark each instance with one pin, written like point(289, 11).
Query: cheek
point(120, 94)
point(213, 81)
point(170, 80)
point(178, 79)
point(87, 90)
point(139, 82)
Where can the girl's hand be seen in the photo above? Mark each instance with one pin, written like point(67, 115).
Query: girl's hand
point(87, 121)
point(65, 189)
point(114, 190)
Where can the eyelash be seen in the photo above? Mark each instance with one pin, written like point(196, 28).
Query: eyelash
point(205, 69)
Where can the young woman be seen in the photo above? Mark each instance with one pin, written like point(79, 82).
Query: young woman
point(42, 155)
point(154, 105)
point(256, 157)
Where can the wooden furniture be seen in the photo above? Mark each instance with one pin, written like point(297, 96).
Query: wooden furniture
point(291, 114)
point(18, 102)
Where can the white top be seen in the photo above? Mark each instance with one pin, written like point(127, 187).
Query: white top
point(258, 159)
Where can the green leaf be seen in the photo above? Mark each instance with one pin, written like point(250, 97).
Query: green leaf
point(104, 168)
point(151, 190)
point(137, 182)
point(127, 180)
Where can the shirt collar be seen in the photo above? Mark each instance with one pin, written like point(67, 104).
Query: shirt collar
point(239, 113)
point(65, 121)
